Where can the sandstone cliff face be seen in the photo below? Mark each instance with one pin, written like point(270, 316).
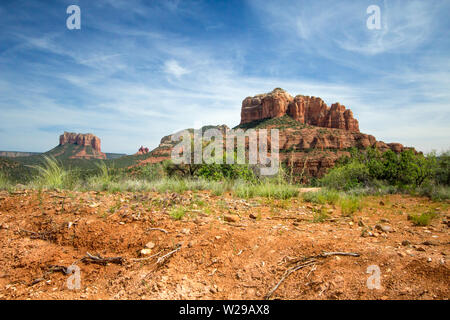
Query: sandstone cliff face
point(80, 139)
point(305, 109)
point(83, 140)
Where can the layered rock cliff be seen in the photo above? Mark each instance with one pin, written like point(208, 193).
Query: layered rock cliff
point(89, 145)
point(81, 139)
point(305, 109)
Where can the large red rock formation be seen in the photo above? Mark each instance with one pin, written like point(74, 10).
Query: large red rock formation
point(80, 139)
point(305, 109)
point(83, 140)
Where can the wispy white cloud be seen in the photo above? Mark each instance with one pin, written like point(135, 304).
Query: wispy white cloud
point(405, 26)
point(172, 67)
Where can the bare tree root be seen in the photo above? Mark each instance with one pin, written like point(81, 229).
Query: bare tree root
point(305, 262)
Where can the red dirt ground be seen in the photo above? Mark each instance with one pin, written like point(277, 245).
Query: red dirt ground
point(218, 258)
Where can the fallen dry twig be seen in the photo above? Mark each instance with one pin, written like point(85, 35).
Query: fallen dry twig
point(89, 258)
point(47, 235)
point(51, 269)
point(164, 258)
point(304, 262)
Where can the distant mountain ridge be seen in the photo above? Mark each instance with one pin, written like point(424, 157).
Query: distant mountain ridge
point(16, 154)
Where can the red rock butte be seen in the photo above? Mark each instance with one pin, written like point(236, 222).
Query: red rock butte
point(142, 150)
point(80, 139)
point(308, 110)
point(83, 140)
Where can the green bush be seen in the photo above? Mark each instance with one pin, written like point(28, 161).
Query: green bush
point(320, 215)
point(422, 220)
point(349, 205)
point(349, 176)
point(266, 189)
point(434, 191)
point(442, 172)
point(388, 172)
point(149, 172)
point(225, 171)
point(177, 213)
point(4, 182)
point(323, 196)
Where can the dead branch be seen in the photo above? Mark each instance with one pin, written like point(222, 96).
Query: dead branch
point(286, 274)
point(327, 254)
point(35, 281)
point(89, 258)
point(236, 225)
point(304, 262)
point(51, 269)
point(164, 258)
point(47, 235)
point(296, 219)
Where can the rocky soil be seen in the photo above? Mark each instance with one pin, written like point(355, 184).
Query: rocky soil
point(223, 247)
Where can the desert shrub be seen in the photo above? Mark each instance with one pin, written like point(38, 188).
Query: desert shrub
point(104, 179)
point(4, 181)
point(265, 189)
point(349, 176)
point(225, 171)
point(372, 169)
point(435, 192)
point(149, 172)
point(323, 196)
point(177, 213)
point(171, 185)
point(423, 219)
point(276, 191)
point(442, 172)
point(244, 190)
point(349, 205)
point(349, 202)
point(320, 215)
point(219, 188)
point(51, 174)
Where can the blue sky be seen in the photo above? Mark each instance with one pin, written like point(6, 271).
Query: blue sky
point(138, 70)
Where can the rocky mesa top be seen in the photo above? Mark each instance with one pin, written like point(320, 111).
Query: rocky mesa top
point(305, 109)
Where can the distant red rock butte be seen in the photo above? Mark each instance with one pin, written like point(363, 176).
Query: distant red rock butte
point(305, 109)
point(81, 139)
point(142, 150)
